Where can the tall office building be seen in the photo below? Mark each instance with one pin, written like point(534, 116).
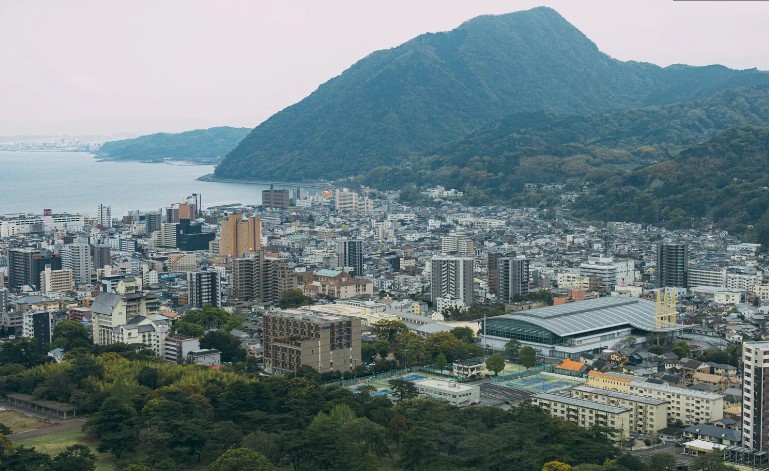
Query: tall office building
point(349, 253)
point(104, 216)
point(672, 265)
point(452, 277)
point(77, 257)
point(240, 236)
point(512, 278)
point(26, 264)
point(755, 396)
point(204, 287)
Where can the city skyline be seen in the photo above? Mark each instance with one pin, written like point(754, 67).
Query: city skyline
point(97, 68)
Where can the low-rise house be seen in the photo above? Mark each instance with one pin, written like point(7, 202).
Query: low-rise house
point(713, 434)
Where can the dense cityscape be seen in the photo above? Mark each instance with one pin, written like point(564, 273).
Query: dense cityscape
point(384, 236)
point(620, 325)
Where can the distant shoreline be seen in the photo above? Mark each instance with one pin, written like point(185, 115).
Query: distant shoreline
point(305, 184)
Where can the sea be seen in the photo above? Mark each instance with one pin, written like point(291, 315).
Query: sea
point(77, 182)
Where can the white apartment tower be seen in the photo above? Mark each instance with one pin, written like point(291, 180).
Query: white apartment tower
point(104, 216)
point(755, 396)
point(77, 257)
point(452, 277)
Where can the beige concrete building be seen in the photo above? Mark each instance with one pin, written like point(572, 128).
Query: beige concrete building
point(56, 281)
point(326, 342)
point(647, 414)
point(261, 277)
point(609, 381)
point(111, 311)
point(240, 236)
point(450, 391)
point(687, 405)
point(586, 413)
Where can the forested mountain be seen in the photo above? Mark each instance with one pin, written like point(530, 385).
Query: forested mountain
point(207, 145)
point(724, 180)
point(440, 86)
point(541, 147)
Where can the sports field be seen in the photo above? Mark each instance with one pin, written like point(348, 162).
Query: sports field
point(541, 383)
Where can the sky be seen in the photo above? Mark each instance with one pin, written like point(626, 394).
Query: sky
point(103, 67)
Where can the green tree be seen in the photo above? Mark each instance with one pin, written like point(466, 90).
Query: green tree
point(440, 362)
point(241, 459)
point(389, 329)
point(116, 425)
point(556, 466)
point(711, 462)
point(188, 329)
point(148, 376)
point(682, 349)
point(226, 343)
point(136, 467)
point(293, 298)
point(662, 462)
point(527, 356)
point(69, 335)
point(495, 363)
point(463, 334)
point(27, 459)
point(403, 389)
point(512, 348)
point(75, 458)
point(5, 430)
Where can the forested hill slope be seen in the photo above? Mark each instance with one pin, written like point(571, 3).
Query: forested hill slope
point(199, 145)
point(725, 180)
point(440, 86)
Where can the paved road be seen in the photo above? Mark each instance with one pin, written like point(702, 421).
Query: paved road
point(41, 432)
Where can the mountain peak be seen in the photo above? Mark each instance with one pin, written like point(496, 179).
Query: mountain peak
point(439, 87)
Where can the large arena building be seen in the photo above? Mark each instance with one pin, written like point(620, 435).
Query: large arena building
point(568, 330)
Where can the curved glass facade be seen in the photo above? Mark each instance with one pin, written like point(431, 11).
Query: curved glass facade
point(520, 330)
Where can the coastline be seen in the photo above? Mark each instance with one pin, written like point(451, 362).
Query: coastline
point(303, 184)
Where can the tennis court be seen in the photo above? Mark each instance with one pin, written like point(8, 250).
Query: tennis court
point(540, 383)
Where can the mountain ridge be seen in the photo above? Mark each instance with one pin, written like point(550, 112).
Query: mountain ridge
point(200, 145)
point(437, 87)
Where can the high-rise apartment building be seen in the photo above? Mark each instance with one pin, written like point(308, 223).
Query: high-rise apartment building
point(452, 277)
point(204, 287)
point(349, 253)
point(273, 198)
point(104, 216)
point(672, 265)
point(260, 277)
point(491, 267)
point(77, 257)
point(26, 264)
point(457, 245)
point(56, 281)
point(152, 222)
point(4, 298)
point(240, 236)
point(38, 326)
point(101, 256)
point(512, 278)
point(706, 276)
point(755, 396)
point(295, 337)
point(611, 272)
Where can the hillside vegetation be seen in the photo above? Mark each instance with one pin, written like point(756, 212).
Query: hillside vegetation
point(439, 87)
point(202, 145)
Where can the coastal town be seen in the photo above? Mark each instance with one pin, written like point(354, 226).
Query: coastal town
point(657, 335)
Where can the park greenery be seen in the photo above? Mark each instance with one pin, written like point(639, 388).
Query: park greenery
point(151, 415)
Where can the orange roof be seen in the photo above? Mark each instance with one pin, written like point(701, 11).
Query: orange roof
point(571, 365)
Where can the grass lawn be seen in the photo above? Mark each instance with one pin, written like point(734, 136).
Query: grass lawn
point(20, 422)
point(509, 368)
point(57, 442)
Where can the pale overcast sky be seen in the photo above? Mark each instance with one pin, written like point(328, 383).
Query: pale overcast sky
point(141, 66)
